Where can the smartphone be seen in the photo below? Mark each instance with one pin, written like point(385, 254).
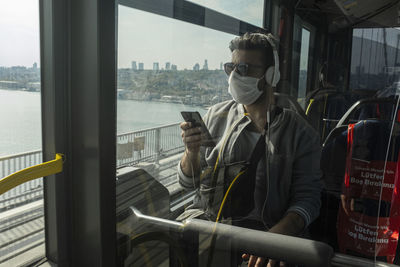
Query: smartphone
point(195, 118)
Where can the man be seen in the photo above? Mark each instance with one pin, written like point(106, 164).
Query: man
point(286, 190)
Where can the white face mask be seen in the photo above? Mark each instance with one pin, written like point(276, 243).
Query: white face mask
point(243, 89)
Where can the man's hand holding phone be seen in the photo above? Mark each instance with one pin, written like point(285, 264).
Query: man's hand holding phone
point(196, 122)
point(191, 137)
point(194, 135)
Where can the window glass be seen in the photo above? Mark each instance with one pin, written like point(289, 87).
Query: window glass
point(381, 68)
point(250, 11)
point(360, 156)
point(337, 181)
point(185, 74)
point(21, 208)
point(305, 46)
point(165, 68)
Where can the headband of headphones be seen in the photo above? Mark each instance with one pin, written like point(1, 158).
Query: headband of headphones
point(272, 75)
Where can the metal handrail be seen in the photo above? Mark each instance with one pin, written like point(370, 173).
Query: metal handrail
point(148, 129)
point(356, 106)
point(286, 248)
point(161, 142)
point(33, 152)
point(20, 154)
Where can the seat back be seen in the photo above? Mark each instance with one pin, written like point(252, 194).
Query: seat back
point(325, 110)
point(326, 107)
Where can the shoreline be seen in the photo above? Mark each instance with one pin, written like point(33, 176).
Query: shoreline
point(121, 99)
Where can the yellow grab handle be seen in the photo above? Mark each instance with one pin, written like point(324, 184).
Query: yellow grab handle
point(309, 105)
point(27, 174)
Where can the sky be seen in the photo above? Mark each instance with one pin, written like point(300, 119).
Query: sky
point(143, 37)
point(19, 31)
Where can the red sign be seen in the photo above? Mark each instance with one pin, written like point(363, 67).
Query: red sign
point(367, 179)
point(374, 180)
point(367, 235)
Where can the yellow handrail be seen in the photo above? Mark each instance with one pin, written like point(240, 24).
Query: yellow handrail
point(309, 105)
point(27, 174)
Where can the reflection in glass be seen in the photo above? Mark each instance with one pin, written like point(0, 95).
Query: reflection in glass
point(359, 161)
point(305, 46)
point(380, 69)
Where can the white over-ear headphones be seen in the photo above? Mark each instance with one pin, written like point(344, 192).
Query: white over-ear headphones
point(272, 75)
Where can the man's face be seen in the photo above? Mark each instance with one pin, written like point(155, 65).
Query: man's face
point(254, 58)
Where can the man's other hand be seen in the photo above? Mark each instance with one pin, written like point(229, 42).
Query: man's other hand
point(191, 137)
point(255, 261)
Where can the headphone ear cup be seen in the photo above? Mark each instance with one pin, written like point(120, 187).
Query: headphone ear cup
point(269, 75)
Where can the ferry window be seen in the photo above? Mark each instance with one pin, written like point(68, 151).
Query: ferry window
point(382, 67)
point(359, 157)
point(164, 68)
point(21, 208)
point(167, 66)
point(305, 47)
point(250, 11)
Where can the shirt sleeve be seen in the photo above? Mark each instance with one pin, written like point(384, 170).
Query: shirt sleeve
point(306, 184)
point(185, 181)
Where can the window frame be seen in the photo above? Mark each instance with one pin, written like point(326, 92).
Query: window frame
point(193, 13)
point(78, 75)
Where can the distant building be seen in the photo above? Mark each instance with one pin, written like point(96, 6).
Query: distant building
point(221, 66)
point(11, 85)
point(34, 66)
point(133, 64)
point(196, 66)
point(141, 66)
point(174, 67)
point(33, 86)
point(156, 66)
point(205, 66)
point(168, 66)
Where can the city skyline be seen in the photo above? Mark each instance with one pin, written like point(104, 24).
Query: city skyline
point(170, 66)
point(136, 66)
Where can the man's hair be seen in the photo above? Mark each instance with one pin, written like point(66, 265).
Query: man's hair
point(254, 41)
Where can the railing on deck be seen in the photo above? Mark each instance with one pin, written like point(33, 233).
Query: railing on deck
point(21, 208)
point(149, 145)
point(26, 192)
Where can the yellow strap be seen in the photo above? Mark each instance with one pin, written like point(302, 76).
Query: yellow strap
point(309, 105)
point(226, 196)
point(27, 174)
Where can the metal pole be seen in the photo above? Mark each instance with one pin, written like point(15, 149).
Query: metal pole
point(286, 248)
point(157, 147)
